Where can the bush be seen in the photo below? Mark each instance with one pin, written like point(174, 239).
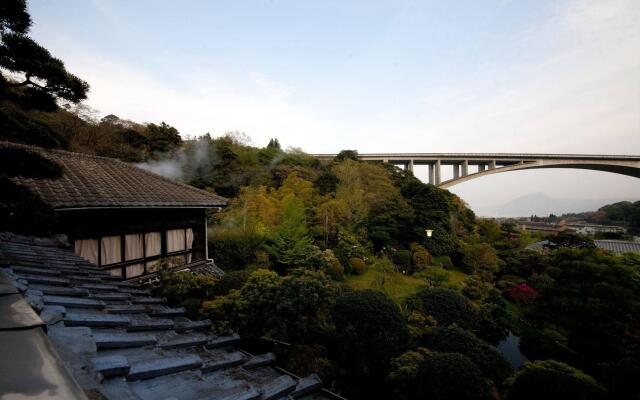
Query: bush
point(185, 289)
point(478, 257)
point(434, 276)
point(446, 306)
point(454, 339)
point(331, 266)
point(357, 265)
point(232, 280)
point(402, 258)
point(369, 331)
point(523, 294)
point(234, 249)
point(443, 261)
point(420, 257)
point(448, 376)
point(552, 379)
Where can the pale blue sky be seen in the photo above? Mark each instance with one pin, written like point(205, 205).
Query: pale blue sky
point(499, 76)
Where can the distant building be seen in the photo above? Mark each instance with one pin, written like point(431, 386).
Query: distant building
point(543, 227)
point(122, 218)
point(592, 229)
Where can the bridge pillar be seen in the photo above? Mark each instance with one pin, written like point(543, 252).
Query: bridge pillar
point(465, 168)
point(492, 164)
point(437, 173)
point(456, 171)
point(410, 165)
point(431, 174)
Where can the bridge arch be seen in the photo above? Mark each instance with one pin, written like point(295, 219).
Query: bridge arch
point(492, 163)
point(623, 168)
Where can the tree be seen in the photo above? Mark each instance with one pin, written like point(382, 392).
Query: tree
point(290, 244)
point(162, 138)
point(274, 144)
point(446, 306)
point(454, 339)
point(551, 379)
point(420, 257)
point(589, 315)
point(478, 257)
point(369, 331)
point(448, 376)
point(346, 155)
point(43, 78)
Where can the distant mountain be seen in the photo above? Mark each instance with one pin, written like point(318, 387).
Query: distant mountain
point(541, 204)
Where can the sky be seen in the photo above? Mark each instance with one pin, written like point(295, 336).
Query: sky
point(527, 76)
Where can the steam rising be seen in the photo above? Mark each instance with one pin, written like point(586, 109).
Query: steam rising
point(197, 158)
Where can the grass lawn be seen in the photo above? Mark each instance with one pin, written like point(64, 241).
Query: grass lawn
point(457, 276)
point(396, 285)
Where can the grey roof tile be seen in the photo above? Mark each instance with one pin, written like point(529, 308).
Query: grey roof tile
point(154, 353)
point(92, 181)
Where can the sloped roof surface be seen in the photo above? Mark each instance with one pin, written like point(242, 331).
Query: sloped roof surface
point(618, 246)
point(92, 181)
point(119, 342)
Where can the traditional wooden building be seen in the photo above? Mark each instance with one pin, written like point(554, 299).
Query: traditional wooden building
point(123, 218)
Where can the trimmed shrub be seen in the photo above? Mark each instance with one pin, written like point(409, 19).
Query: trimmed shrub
point(446, 306)
point(550, 379)
point(357, 266)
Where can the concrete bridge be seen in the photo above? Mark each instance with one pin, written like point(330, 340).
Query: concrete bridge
point(467, 166)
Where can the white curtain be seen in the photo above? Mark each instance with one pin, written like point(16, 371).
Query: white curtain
point(153, 247)
point(175, 240)
point(110, 250)
point(116, 272)
point(87, 249)
point(152, 243)
point(135, 270)
point(133, 248)
point(189, 236)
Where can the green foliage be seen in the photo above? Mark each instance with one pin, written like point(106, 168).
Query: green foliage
point(232, 280)
point(402, 259)
point(233, 248)
point(446, 306)
point(347, 248)
point(185, 289)
point(420, 257)
point(369, 331)
point(291, 308)
point(357, 265)
point(589, 311)
point(162, 138)
point(446, 376)
point(290, 244)
point(331, 266)
point(551, 379)
point(478, 257)
point(434, 276)
point(453, 339)
point(45, 77)
point(346, 155)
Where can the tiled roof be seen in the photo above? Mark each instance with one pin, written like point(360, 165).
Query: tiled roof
point(618, 246)
point(614, 246)
point(92, 181)
point(119, 342)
